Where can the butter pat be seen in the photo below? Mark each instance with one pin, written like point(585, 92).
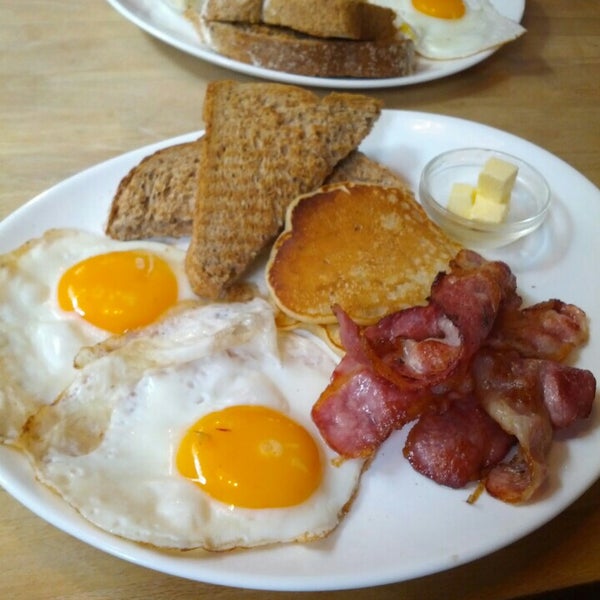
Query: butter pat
point(489, 200)
point(488, 209)
point(461, 199)
point(496, 180)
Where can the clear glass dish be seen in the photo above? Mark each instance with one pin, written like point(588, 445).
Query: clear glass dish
point(529, 204)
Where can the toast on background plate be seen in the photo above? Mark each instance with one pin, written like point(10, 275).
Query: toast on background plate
point(351, 19)
point(286, 50)
point(233, 11)
point(338, 38)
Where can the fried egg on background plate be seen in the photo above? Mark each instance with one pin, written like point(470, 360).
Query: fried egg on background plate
point(68, 289)
point(195, 432)
point(447, 29)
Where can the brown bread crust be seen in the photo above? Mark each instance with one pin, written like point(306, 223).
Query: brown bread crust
point(244, 11)
point(265, 143)
point(351, 19)
point(282, 49)
point(156, 198)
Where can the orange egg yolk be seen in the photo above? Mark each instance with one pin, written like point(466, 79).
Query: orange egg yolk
point(118, 291)
point(251, 457)
point(441, 9)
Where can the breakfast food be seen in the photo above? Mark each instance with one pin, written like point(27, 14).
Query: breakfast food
point(156, 198)
point(443, 29)
point(292, 52)
point(244, 11)
point(264, 145)
point(192, 429)
point(366, 247)
point(489, 200)
point(350, 19)
point(343, 38)
point(476, 372)
point(359, 168)
point(346, 19)
point(195, 433)
point(56, 296)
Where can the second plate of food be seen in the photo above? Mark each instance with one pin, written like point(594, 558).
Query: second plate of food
point(158, 19)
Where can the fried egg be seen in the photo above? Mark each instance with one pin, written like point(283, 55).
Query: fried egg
point(196, 433)
point(69, 289)
point(447, 29)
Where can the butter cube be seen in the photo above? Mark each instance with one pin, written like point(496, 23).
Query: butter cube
point(487, 209)
point(461, 199)
point(497, 179)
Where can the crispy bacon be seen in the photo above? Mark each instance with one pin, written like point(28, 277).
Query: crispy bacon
point(529, 398)
point(472, 294)
point(509, 391)
point(359, 409)
point(474, 369)
point(414, 347)
point(550, 329)
point(568, 393)
point(457, 444)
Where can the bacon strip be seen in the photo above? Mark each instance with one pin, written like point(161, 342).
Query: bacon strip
point(456, 445)
point(359, 409)
point(508, 389)
point(568, 393)
point(550, 330)
point(414, 347)
point(529, 398)
point(472, 294)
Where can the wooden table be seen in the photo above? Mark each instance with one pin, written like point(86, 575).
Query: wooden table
point(80, 84)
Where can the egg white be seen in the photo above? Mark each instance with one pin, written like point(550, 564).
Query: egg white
point(108, 445)
point(481, 28)
point(38, 340)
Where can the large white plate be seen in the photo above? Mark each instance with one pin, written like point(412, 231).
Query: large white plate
point(401, 525)
point(157, 19)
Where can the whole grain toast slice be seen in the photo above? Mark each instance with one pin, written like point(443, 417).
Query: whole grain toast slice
point(265, 143)
point(369, 248)
point(156, 198)
point(352, 19)
point(240, 11)
point(359, 168)
point(282, 49)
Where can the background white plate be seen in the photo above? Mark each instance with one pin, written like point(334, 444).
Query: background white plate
point(401, 525)
point(157, 19)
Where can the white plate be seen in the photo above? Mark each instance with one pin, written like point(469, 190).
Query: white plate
point(401, 525)
point(157, 19)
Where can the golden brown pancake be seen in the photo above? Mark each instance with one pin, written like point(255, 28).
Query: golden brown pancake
point(369, 248)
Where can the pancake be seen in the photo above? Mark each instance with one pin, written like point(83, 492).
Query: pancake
point(369, 248)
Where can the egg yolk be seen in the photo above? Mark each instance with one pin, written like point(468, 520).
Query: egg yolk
point(442, 9)
point(118, 291)
point(251, 457)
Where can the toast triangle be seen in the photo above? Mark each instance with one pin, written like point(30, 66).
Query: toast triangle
point(265, 144)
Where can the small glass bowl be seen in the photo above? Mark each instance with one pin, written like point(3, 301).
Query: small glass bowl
point(528, 207)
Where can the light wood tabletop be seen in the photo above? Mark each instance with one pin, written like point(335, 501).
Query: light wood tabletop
point(81, 84)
